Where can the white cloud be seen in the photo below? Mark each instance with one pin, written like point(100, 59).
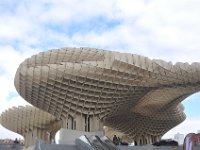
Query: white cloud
point(7, 134)
point(131, 8)
point(13, 102)
point(10, 59)
point(13, 27)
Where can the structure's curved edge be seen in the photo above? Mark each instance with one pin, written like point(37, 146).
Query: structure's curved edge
point(75, 84)
point(30, 122)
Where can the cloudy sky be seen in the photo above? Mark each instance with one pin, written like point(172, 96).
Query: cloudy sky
point(167, 29)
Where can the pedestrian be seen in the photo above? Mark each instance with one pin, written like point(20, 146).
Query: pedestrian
point(115, 140)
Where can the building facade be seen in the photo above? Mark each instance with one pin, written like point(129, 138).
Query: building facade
point(179, 138)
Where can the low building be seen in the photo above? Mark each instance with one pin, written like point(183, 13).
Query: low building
point(179, 138)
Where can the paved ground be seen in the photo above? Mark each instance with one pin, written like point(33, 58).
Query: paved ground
point(73, 147)
point(150, 147)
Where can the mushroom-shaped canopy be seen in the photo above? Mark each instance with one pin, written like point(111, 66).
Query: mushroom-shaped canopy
point(22, 119)
point(130, 93)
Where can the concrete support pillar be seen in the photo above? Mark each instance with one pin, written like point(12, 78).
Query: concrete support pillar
point(153, 139)
point(69, 122)
point(83, 123)
point(25, 141)
point(138, 141)
point(143, 140)
point(42, 134)
point(64, 123)
point(158, 138)
point(80, 123)
point(149, 139)
point(97, 124)
point(52, 136)
point(146, 139)
point(28, 138)
point(55, 126)
point(32, 135)
point(100, 125)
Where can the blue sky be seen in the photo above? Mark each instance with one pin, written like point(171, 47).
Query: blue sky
point(192, 104)
point(166, 29)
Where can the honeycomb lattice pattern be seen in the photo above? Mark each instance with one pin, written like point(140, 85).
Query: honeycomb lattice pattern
point(130, 93)
point(24, 119)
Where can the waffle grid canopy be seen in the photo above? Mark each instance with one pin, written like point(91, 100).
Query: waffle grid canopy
point(129, 93)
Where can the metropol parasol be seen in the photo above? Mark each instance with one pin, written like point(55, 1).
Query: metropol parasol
point(85, 89)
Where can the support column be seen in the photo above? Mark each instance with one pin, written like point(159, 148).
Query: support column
point(64, 123)
point(52, 130)
point(158, 138)
point(41, 134)
point(149, 139)
point(52, 136)
point(32, 135)
point(138, 141)
point(97, 124)
point(28, 138)
point(80, 123)
point(69, 122)
point(145, 140)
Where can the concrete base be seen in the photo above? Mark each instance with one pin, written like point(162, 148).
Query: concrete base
point(68, 136)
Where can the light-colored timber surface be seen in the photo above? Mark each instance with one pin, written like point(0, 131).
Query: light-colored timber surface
point(130, 93)
point(30, 122)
